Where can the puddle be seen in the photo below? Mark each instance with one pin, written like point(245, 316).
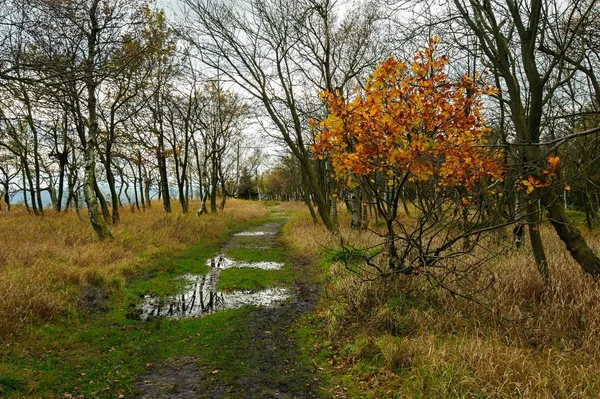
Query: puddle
point(251, 246)
point(221, 262)
point(255, 233)
point(202, 297)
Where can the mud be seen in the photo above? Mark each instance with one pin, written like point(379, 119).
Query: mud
point(271, 351)
point(178, 378)
point(93, 299)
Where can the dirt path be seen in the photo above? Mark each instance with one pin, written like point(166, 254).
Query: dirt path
point(263, 345)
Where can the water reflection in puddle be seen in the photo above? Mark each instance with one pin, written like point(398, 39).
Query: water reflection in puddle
point(203, 298)
point(255, 233)
point(221, 262)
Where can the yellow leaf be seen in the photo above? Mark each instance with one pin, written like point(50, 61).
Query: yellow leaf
point(554, 162)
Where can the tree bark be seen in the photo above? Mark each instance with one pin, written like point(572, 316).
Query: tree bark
point(162, 169)
point(570, 235)
point(307, 199)
point(89, 184)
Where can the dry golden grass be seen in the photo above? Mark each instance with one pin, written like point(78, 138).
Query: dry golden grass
point(45, 261)
point(546, 344)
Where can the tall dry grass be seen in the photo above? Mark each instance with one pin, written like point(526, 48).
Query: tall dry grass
point(532, 342)
point(45, 261)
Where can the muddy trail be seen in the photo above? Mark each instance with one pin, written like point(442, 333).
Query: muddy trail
point(257, 356)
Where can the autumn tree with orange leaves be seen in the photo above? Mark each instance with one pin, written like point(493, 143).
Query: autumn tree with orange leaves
point(412, 124)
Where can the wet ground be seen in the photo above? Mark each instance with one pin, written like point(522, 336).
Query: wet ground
point(269, 349)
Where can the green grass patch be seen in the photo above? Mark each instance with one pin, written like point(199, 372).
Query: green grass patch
point(162, 275)
point(577, 217)
point(10, 384)
point(253, 279)
point(99, 358)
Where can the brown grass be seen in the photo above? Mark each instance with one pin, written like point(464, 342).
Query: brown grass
point(45, 261)
point(545, 344)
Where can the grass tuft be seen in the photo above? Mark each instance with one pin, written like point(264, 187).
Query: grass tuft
point(253, 279)
point(10, 384)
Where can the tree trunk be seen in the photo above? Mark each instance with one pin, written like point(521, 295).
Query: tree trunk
point(147, 184)
point(89, 184)
point(355, 209)
point(114, 196)
point(162, 169)
point(135, 192)
point(102, 201)
point(110, 177)
point(71, 182)
point(61, 186)
point(89, 192)
point(36, 157)
point(213, 183)
point(24, 189)
point(570, 235)
point(7, 195)
point(313, 182)
point(307, 200)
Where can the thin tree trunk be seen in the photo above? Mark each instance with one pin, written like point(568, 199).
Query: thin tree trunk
point(110, 177)
point(535, 238)
point(102, 201)
point(89, 184)
point(36, 157)
point(147, 185)
point(355, 209)
point(61, 186)
point(25, 190)
point(307, 200)
point(319, 198)
point(213, 183)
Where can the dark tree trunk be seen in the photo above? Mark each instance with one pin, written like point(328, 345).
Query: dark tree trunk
point(25, 189)
point(162, 169)
point(307, 200)
point(110, 177)
point(61, 186)
point(102, 201)
point(31, 186)
point(147, 185)
point(569, 234)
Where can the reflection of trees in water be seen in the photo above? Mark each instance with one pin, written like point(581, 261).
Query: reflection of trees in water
point(202, 298)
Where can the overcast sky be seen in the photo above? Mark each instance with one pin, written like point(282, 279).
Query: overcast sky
point(171, 7)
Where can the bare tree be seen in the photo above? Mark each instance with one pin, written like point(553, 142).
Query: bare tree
point(283, 53)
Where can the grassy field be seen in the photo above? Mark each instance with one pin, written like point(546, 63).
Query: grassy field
point(45, 262)
point(380, 340)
